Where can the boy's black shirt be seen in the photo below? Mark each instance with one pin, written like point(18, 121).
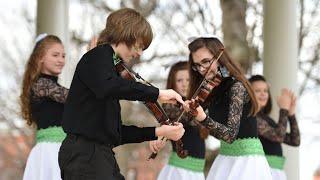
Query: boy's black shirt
point(92, 107)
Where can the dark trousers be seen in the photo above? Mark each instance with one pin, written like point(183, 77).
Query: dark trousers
point(84, 159)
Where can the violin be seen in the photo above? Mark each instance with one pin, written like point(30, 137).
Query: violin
point(182, 153)
point(202, 93)
point(154, 107)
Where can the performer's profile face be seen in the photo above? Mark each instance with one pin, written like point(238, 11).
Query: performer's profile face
point(127, 53)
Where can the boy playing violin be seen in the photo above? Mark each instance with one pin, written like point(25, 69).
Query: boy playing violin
point(91, 116)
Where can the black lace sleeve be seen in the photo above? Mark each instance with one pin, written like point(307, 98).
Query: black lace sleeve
point(277, 133)
point(48, 88)
point(228, 132)
point(293, 138)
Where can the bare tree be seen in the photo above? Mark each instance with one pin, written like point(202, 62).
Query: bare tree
point(309, 45)
point(235, 31)
point(16, 139)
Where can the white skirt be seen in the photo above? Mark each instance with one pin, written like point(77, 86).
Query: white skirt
point(170, 172)
point(249, 167)
point(42, 162)
point(278, 174)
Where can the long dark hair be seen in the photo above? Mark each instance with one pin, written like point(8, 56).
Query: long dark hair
point(215, 46)
point(268, 107)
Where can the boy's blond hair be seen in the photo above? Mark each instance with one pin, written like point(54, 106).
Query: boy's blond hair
point(128, 26)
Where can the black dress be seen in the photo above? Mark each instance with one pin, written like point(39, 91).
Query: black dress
point(47, 103)
point(47, 100)
point(229, 111)
point(241, 153)
point(192, 142)
point(273, 134)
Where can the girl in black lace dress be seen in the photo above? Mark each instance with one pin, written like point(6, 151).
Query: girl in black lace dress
point(42, 102)
point(232, 107)
point(272, 134)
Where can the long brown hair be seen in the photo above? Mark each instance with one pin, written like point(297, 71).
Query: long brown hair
point(268, 107)
point(33, 69)
point(126, 25)
point(214, 46)
point(171, 82)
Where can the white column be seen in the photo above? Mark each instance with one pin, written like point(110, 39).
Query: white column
point(280, 62)
point(52, 18)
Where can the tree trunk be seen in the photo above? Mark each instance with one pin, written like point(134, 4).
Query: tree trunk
point(235, 30)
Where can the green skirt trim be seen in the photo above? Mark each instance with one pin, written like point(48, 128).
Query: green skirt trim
point(189, 163)
point(50, 134)
point(242, 147)
point(276, 162)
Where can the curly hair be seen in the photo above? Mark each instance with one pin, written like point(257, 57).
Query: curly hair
point(32, 71)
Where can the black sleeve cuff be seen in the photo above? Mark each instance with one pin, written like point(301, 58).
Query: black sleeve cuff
point(133, 134)
point(154, 94)
point(284, 112)
point(149, 133)
point(292, 117)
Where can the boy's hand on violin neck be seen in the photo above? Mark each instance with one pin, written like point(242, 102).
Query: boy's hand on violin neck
point(171, 132)
point(170, 96)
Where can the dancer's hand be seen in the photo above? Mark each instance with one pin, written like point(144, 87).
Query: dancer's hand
point(201, 115)
point(293, 104)
point(284, 100)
